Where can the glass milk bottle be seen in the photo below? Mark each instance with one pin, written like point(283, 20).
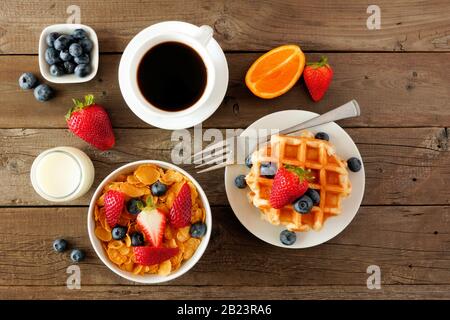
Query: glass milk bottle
point(62, 174)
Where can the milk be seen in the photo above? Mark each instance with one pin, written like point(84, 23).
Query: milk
point(62, 174)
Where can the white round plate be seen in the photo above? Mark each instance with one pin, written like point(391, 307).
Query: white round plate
point(191, 119)
point(249, 215)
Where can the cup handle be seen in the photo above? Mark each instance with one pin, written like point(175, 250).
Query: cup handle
point(204, 34)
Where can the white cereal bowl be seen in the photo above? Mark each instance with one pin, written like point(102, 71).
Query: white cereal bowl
point(67, 28)
point(149, 278)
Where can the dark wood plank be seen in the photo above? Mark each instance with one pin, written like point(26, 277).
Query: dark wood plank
point(409, 244)
point(306, 292)
point(243, 25)
point(400, 227)
point(407, 166)
point(386, 85)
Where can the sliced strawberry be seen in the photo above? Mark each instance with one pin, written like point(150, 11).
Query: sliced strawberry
point(152, 223)
point(148, 256)
point(180, 213)
point(289, 184)
point(114, 203)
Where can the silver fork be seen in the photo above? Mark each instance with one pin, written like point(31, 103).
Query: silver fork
point(236, 148)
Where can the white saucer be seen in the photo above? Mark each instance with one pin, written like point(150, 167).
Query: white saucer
point(249, 215)
point(197, 116)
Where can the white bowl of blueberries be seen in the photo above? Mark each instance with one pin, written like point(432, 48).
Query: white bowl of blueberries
point(68, 53)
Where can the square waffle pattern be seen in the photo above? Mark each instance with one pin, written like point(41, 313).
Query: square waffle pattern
point(330, 179)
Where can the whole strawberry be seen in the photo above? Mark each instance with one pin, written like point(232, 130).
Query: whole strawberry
point(317, 76)
point(91, 123)
point(180, 213)
point(289, 184)
point(114, 203)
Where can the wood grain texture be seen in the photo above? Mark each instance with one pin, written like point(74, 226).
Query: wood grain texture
point(242, 25)
point(410, 244)
point(398, 74)
point(393, 90)
point(406, 166)
point(130, 292)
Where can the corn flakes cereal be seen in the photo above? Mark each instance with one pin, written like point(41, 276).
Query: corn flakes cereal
point(171, 176)
point(124, 250)
point(128, 266)
point(135, 181)
point(197, 215)
point(115, 256)
point(102, 233)
point(151, 269)
point(147, 174)
point(116, 244)
point(121, 178)
point(165, 268)
point(168, 234)
point(137, 185)
point(133, 191)
point(190, 246)
point(183, 234)
point(137, 269)
point(172, 244)
point(113, 186)
point(127, 241)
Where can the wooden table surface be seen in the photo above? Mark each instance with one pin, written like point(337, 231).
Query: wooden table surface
point(399, 75)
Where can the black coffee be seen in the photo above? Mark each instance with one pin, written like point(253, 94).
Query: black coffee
point(172, 76)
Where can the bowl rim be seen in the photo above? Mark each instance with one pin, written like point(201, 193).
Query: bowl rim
point(150, 278)
point(95, 54)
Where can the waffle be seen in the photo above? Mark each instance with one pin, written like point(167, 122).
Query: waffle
point(330, 179)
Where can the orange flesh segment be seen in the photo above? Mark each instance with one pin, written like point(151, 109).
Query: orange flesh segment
point(270, 62)
point(280, 78)
point(275, 72)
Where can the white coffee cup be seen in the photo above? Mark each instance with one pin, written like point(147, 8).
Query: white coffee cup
point(200, 39)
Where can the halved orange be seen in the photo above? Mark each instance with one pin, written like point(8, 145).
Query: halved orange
point(275, 72)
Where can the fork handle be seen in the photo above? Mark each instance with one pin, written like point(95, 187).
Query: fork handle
point(349, 110)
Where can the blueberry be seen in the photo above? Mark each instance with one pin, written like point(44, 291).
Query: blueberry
point(77, 255)
point(303, 205)
point(198, 230)
point(158, 188)
point(56, 70)
point(82, 70)
point(322, 136)
point(43, 92)
point(248, 161)
point(79, 34)
point(268, 169)
point(137, 239)
point(75, 50)
point(134, 206)
point(27, 81)
point(288, 237)
point(354, 164)
point(119, 232)
point(314, 195)
point(62, 43)
point(69, 67)
point(60, 245)
point(239, 181)
point(51, 37)
point(52, 56)
point(82, 59)
point(64, 55)
point(86, 44)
